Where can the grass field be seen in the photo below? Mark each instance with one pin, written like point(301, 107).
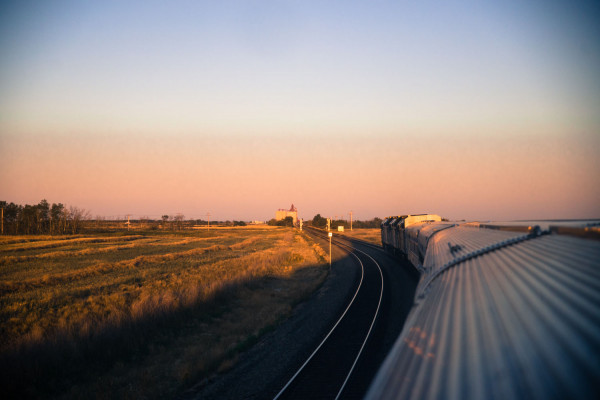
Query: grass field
point(142, 314)
point(368, 235)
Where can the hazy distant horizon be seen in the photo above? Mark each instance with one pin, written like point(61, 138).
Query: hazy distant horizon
point(238, 108)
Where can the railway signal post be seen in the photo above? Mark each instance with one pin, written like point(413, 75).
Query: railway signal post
point(330, 235)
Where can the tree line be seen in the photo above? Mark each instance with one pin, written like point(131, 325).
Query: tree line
point(287, 221)
point(57, 219)
point(178, 222)
point(41, 218)
point(321, 222)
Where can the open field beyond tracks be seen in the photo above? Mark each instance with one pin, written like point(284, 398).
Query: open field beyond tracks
point(143, 314)
point(368, 235)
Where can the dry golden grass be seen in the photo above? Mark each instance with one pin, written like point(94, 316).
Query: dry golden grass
point(368, 235)
point(107, 312)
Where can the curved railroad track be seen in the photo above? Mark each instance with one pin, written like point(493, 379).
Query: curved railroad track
point(296, 361)
point(329, 370)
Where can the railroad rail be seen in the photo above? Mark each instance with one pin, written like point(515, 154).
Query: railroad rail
point(327, 372)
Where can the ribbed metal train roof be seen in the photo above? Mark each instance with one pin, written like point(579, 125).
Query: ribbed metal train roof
point(544, 224)
point(517, 321)
point(469, 238)
point(428, 230)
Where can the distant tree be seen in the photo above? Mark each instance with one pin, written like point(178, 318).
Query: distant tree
point(319, 221)
point(165, 218)
point(373, 223)
point(339, 222)
point(42, 216)
point(28, 217)
point(76, 218)
point(12, 214)
point(57, 212)
point(287, 221)
point(239, 223)
point(178, 221)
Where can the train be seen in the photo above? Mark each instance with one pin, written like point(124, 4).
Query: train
point(407, 235)
point(501, 310)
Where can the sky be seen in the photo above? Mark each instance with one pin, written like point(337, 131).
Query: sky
point(472, 110)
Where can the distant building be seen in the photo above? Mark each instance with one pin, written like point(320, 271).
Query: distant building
point(282, 214)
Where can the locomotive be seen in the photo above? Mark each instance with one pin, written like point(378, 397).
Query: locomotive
point(408, 235)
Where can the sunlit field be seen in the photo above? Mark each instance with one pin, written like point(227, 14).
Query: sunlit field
point(144, 313)
point(368, 235)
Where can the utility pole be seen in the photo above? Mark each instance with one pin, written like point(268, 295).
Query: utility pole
point(128, 222)
point(3, 220)
point(208, 217)
point(350, 219)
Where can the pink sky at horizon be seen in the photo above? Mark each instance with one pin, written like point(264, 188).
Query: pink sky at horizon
point(248, 178)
